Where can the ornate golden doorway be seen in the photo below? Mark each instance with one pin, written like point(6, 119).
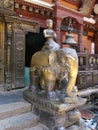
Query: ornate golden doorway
point(1, 53)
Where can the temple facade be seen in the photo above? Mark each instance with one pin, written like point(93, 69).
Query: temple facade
point(21, 35)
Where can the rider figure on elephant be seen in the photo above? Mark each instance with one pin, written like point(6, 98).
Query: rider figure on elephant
point(50, 35)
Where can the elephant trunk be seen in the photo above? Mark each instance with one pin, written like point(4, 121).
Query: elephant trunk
point(50, 85)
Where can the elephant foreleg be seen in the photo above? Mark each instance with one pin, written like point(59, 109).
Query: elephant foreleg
point(33, 81)
point(72, 75)
point(70, 90)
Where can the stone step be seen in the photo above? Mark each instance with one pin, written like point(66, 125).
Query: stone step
point(19, 122)
point(12, 109)
point(38, 127)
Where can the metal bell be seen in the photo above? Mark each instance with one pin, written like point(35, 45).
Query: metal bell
point(70, 39)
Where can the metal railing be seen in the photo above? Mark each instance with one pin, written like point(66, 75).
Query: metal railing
point(88, 70)
point(88, 61)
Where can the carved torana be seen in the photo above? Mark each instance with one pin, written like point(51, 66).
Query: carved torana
point(34, 27)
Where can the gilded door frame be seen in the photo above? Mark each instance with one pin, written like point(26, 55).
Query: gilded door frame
point(16, 29)
point(2, 35)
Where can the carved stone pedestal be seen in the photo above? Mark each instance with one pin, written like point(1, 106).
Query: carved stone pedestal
point(58, 121)
point(55, 114)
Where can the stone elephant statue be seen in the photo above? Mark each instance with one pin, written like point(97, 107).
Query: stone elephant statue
point(48, 67)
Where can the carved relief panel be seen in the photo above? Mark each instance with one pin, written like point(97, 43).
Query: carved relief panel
point(8, 4)
point(7, 59)
point(87, 6)
point(1, 3)
point(18, 58)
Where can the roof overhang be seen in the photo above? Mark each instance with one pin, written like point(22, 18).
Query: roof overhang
point(41, 3)
point(89, 20)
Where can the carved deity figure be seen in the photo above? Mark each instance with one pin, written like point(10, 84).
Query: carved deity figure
point(50, 36)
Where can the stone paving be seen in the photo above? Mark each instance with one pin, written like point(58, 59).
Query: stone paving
point(11, 96)
point(17, 96)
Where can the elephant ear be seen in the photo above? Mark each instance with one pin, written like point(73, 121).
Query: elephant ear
point(52, 58)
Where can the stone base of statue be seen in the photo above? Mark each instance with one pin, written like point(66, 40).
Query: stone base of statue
point(56, 111)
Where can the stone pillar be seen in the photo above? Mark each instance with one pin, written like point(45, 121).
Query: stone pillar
point(80, 33)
